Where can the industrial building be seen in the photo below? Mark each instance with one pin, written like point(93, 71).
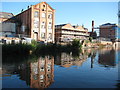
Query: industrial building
point(108, 31)
point(6, 28)
point(67, 32)
point(37, 22)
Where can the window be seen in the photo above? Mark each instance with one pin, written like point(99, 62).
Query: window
point(48, 75)
point(43, 15)
point(43, 5)
point(36, 14)
point(48, 67)
point(50, 16)
point(36, 24)
point(43, 9)
point(43, 35)
point(35, 77)
point(43, 25)
point(50, 25)
point(41, 76)
point(50, 35)
point(42, 68)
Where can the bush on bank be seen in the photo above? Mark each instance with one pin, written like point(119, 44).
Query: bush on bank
point(35, 48)
point(16, 49)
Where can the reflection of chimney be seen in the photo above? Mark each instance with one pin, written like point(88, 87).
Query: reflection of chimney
point(92, 26)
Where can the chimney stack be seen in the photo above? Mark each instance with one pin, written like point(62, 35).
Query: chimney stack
point(92, 26)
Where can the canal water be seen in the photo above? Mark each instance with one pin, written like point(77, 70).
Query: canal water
point(89, 69)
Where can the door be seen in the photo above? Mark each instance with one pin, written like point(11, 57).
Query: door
point(36, 36)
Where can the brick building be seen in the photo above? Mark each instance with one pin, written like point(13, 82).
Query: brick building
point(108, 31)
point(67, 32)
point(37, 22)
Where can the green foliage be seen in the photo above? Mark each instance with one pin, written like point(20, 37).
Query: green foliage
point(34, 43)
point(90, 39)
point(87, 41)
point(16, 49)
point(39, 49)
point(76, 44)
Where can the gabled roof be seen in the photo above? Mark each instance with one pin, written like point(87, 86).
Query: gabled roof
point(69, 26)
point(46, 4)
point(34, 5)
point(79, 27)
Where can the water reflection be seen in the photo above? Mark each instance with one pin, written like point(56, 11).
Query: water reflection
point(68, 60)
point(107, 57)
point(39, 73)
point(42, 72)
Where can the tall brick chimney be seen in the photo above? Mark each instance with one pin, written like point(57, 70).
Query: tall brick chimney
point(92, 26)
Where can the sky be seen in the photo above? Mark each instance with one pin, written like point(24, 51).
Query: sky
point(81, 13)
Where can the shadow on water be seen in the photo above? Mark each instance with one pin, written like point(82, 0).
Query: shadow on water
point(38, 70)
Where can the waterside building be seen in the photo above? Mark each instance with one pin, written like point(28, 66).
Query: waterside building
point(67, 32)
point(37, 22)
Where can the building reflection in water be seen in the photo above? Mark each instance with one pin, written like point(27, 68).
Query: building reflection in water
point(37, 74)
point(68, 60)
point(107, 57)
point(42, 72)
